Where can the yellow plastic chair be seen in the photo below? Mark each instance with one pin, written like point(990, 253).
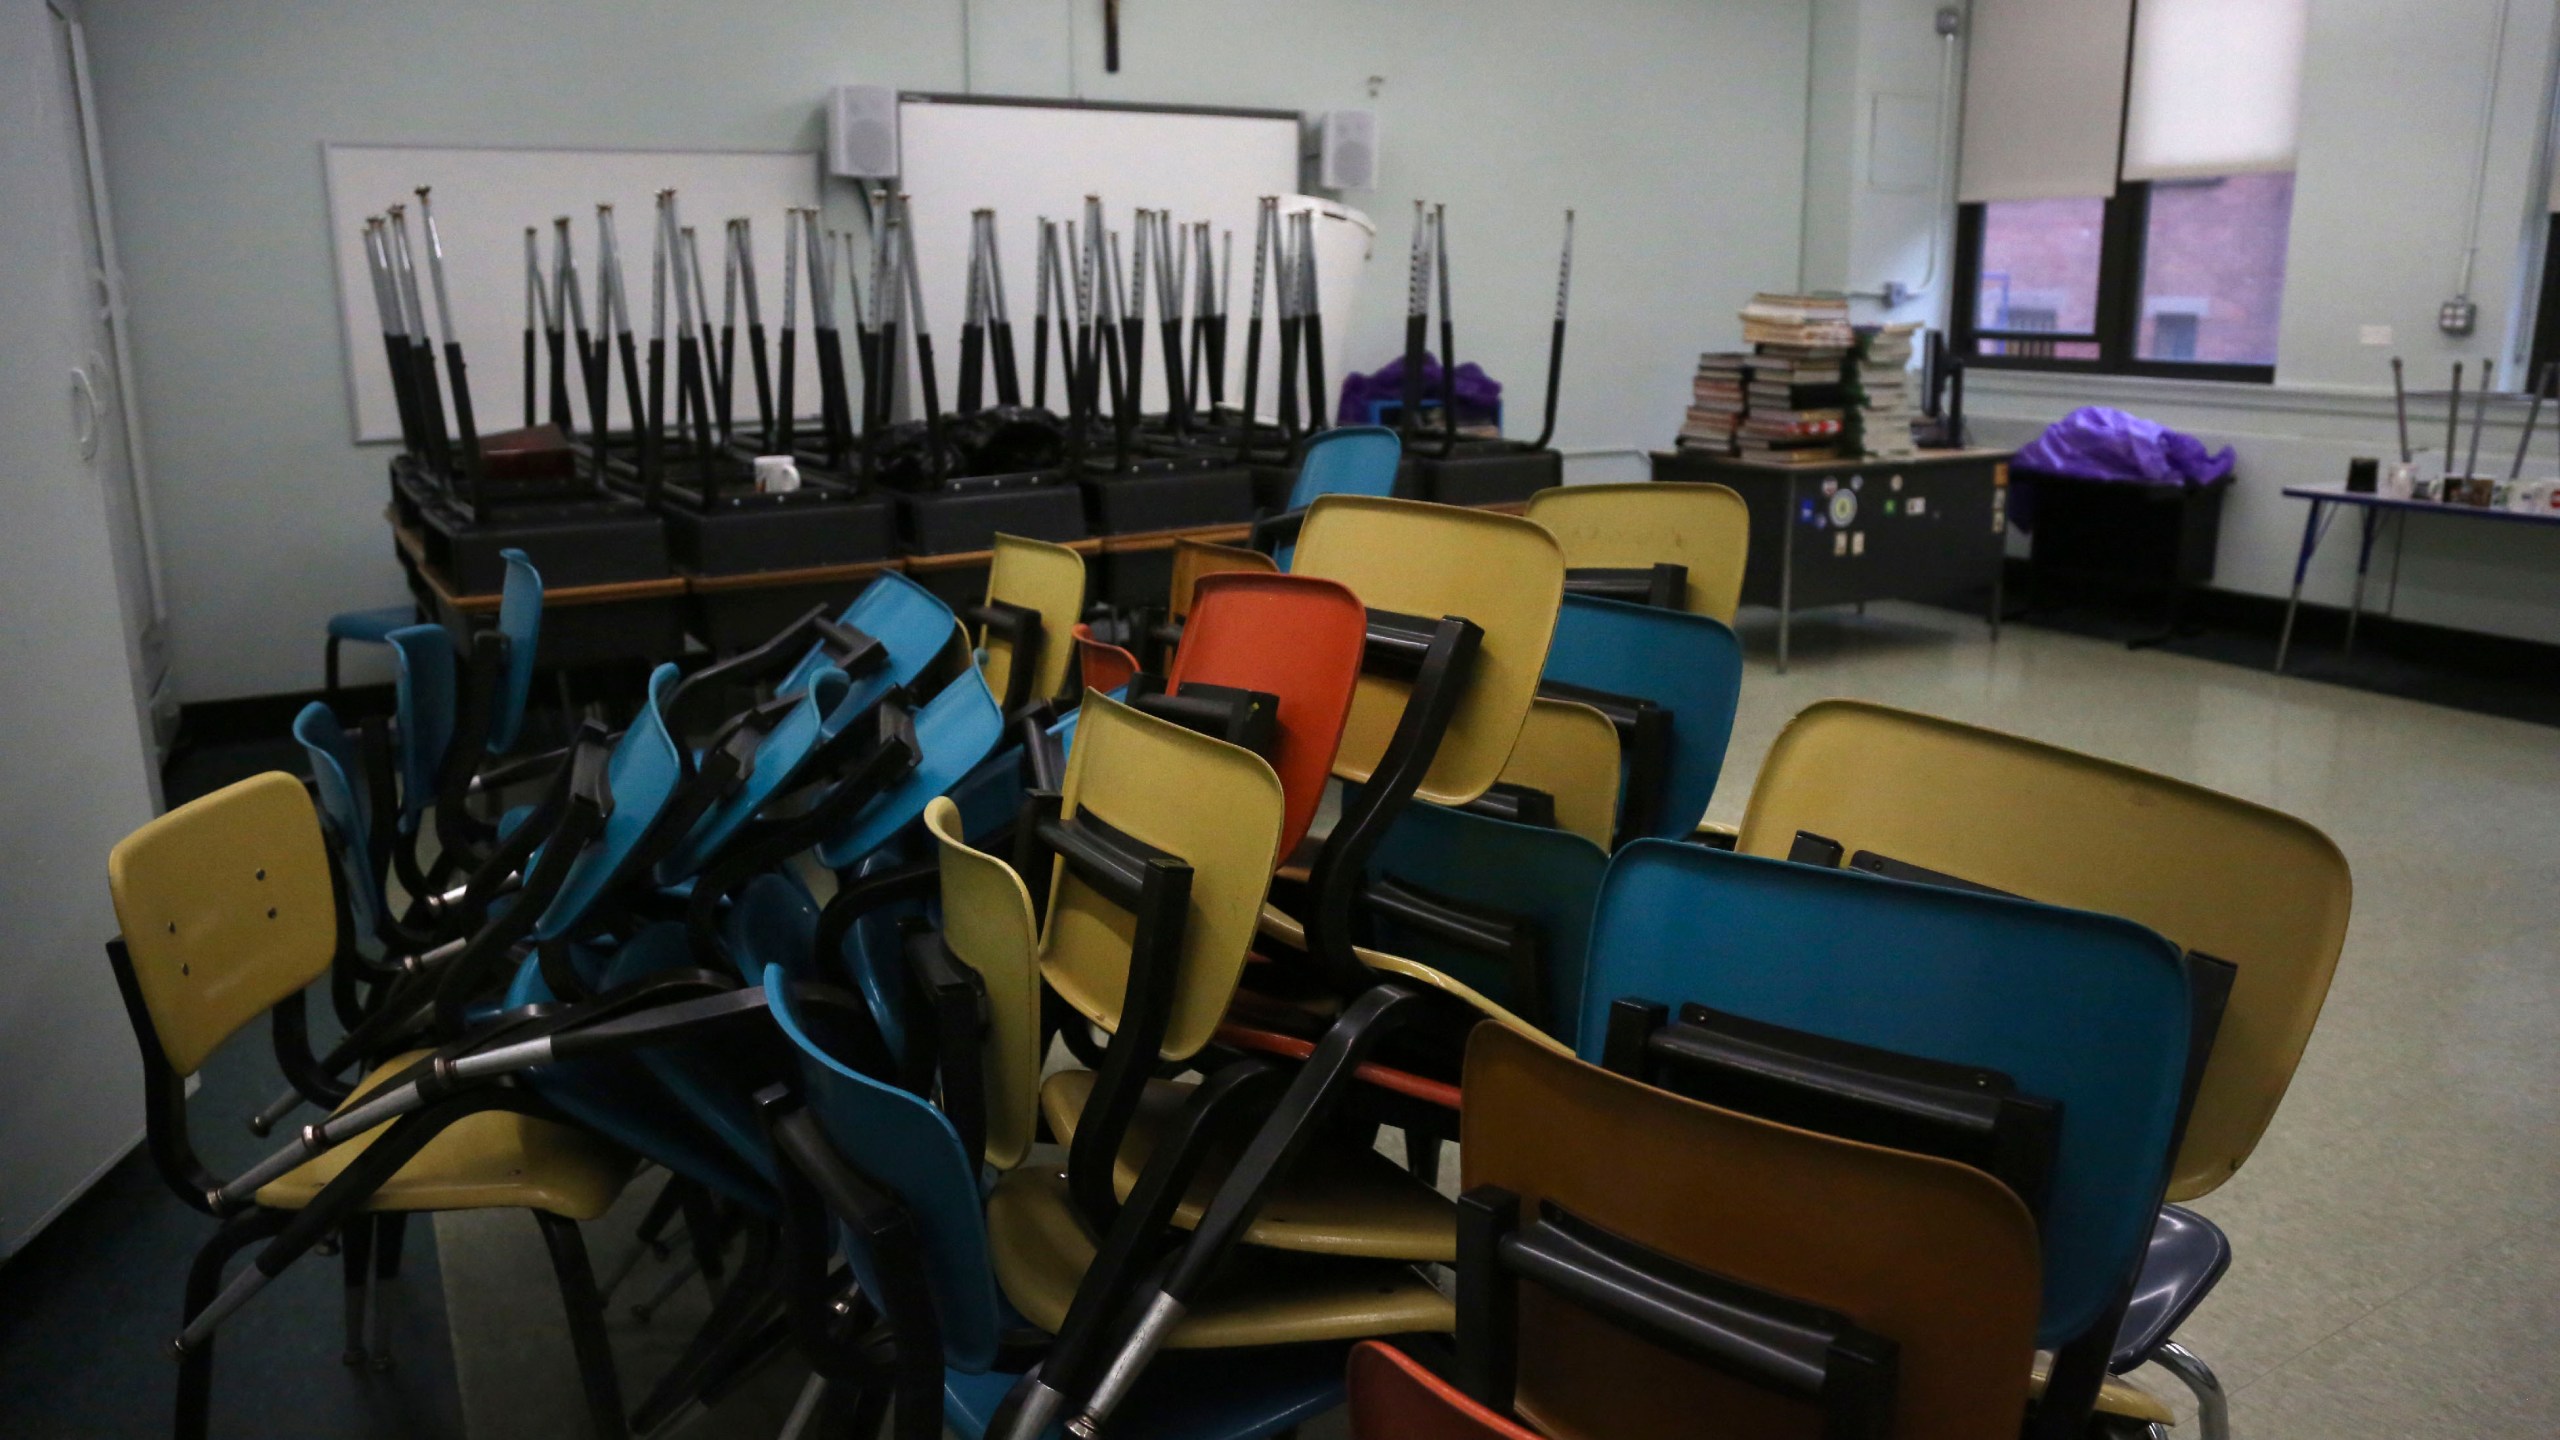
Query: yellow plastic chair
point(1046, 581)
point(1195, 558)
point(226, 914)
point(1569, 752)
point(2220, 876)
point(1705, 529)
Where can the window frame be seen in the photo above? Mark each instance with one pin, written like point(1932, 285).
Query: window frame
point(2122, 234)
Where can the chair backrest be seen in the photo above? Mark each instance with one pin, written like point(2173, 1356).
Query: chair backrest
point(1105, 666)
point(1347, 460)
point(337, 779)
point(1549, 878)
point(520, 620)
point(987, 923)
point(813, 719)
point(1394, 1398)
point(1430, 561)
point(1705, 528)
point(1570, 752)
point(2087, 1010)
point(1935, 1256)
point(1293, 637)
point(225, 908)
point(1193, 559)
point(905, 1144)
point(423, 685)
point(643, 774)
point(1042, 577)
point(2240, 882)
point(909, 621)
point(1217, 807)
point(1690, 665)
point(959, 727)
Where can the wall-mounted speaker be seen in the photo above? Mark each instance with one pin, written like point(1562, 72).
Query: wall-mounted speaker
point(1348, 150)
point(862, 132)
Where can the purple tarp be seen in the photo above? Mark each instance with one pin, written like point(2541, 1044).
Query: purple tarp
point(1477, 392)
point(2097, 443)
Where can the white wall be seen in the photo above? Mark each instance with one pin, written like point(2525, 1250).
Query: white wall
point(2390, 119)
point(1675, 128)
point(74, 778)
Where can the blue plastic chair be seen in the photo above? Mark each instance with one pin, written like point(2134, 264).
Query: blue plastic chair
point(820, 713)
point(908, 620)
point(422, 712)
point(365, 627)
point(1345, 460)
point(520, 620)
point(644, 772)
point(906, 1146)
point(2084, 1009)
point(956, 730)
point(346, 804)
point(1690, 665)
point(1545, 877)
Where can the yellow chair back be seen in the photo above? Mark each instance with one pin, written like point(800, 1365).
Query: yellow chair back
point(1195, 558)
point(987, 923)
point(1704, 527)
point(1035, 575)
point(226, 908)
point(1430, 561)
point(2213, 873)
point(1218, 808)
point(1570, 751)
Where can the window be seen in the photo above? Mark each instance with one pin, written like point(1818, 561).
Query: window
point(2170, 277)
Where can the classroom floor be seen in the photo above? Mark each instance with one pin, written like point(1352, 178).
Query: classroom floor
point(2397, 1263)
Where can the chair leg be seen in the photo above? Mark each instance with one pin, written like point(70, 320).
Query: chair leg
point(355, 1253)
point(2213, 1408)
point(204, 1280)
point(390, 1233)
point(586, 1324)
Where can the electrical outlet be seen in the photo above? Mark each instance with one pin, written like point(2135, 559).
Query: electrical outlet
point(2457, 315)
point(2373, 334)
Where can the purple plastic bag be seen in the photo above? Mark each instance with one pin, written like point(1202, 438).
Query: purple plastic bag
point(1478, 393)
point(2097, 443)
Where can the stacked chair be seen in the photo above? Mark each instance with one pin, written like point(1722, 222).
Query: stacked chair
point(1039, 1036)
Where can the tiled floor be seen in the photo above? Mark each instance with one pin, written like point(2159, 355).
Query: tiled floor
point(2396, 1267)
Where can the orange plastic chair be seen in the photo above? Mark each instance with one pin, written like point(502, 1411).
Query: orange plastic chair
point(1293, 637)
point(1394, 1398)
point(1106, 667)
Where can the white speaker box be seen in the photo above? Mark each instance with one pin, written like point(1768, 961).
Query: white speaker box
point(1348, 154)
point(862, 132)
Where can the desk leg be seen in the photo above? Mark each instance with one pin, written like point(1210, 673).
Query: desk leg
point(1999, 584)
point(2364, 562)
point(2301, 564)
point(1786, 573)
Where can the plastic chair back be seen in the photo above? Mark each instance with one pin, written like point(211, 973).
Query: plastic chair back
point(909, 621)
point(1936, 1256)
point(1705, 528)
point(1042, 577)
point(643, 773)
point(225, 908)
point(956, 729)
point(1293, 637)
point(520, 620)
point(1347, 460)
point(1194, 559)
point(1394, 1398)
point(1569, 751)
point(348, 806)
point(987, 923)
point(2086, 1010)
point(1549, 878)
point(905, 1144)
point(1106, 667)
point(1217, 807)
point(1690, 665)
point(1430, 561)
point(423, 684)
point(815, 718)
point(2216, 874)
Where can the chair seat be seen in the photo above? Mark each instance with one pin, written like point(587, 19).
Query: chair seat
point(1186, 1397)
point(1264, 1297)
point(2185, 1259)
point(2118, 1398)
point(374, 625)
point(1338, 1200)
point(492, 1160)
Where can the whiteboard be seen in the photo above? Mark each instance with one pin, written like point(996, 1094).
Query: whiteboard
point(483, 200)
point(1030, 160)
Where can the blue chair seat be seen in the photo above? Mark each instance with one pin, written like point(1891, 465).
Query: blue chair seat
point(2187, 1255)
point(373, 626)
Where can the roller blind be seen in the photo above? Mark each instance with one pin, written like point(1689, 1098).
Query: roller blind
point(2217, 88)
point(2043, 98)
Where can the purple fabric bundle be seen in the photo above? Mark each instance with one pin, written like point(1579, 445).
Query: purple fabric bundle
point(2097, 443)
point(1479, 394)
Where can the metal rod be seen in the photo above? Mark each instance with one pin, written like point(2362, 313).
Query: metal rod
point(2533, 413)
point(726, 388)
point(1040, 316)
point(422, 362)
point(1448, 335)
point(395, 337)
point(786, 439)
point(537, 315)
point(455, 371)
point(1008, 374)
point(1285, 298)
point(2479, 418)
point(1249, 420)
point(583, 340)
point(1555, 344)
point(925, 376)
point(742, 235)
point(1319, 399)
point(2453, 420)
point(556, 322)
point(625, 344)
point(835, 406)
point(2400, 409)
point(971, 394)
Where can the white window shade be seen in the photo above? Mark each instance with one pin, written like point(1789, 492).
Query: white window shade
point(2043, 98)
point(2217, 88)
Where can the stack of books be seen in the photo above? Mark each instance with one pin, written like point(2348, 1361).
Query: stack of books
point(1880, 391)
point(1798, 398)
point(1716, 403)
point(1813, 321)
